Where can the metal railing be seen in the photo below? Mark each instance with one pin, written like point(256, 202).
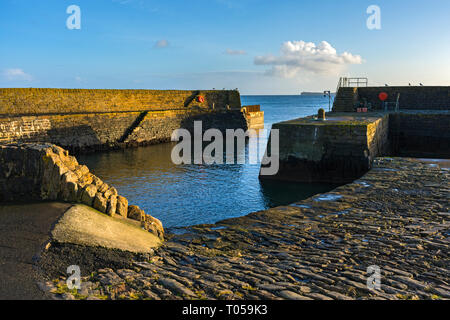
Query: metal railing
point(395, 105)
point(352, 82)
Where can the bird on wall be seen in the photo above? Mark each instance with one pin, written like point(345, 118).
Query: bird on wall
point(386, 85)
point(421, 85)
point(409, 84)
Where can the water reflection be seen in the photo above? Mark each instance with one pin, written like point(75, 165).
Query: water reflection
point(183, 195)
point(278, 193)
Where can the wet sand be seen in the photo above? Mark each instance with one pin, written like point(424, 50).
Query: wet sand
point(24, 231)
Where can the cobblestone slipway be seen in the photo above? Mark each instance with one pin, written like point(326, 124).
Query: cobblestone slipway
point(397, 217)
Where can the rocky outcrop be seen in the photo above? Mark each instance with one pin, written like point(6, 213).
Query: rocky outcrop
point(36, 172)
point(148, 222)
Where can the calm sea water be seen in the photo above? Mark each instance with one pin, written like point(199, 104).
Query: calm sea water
point(183, 195)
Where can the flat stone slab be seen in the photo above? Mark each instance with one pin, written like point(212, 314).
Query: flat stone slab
point(83, 225)
point(356, 118)
point(338, 118)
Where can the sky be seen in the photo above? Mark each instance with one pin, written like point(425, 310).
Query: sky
point(259, 47)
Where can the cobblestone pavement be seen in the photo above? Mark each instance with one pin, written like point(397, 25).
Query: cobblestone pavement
point(397, 217)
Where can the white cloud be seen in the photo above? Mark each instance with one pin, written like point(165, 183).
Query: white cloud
point(162, 44)
point(300, 57)
point(235, 52)
point(16, 74)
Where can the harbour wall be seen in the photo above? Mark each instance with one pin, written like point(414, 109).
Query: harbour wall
point(420, 134)
point(342, 148)
point(87, 120)
point(410, 98)
point(33, 101)
point(329, 151)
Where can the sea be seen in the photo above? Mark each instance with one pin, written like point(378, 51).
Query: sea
point(190, 194)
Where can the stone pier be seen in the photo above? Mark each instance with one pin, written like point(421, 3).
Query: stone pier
point(342, 148)
point(83, 120)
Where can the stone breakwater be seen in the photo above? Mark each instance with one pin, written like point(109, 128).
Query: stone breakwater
point(46, 172)
point(397, 216)
point(342, 148)
point(411, 97)
point(91, 120)
point(89, 132)
point(33, 101)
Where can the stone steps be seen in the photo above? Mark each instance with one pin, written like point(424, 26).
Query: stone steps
point(345, 99)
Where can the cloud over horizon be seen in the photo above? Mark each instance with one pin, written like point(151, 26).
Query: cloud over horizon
point(16, 74)
point(162, 43)
point(299, 57)
point(235, 52)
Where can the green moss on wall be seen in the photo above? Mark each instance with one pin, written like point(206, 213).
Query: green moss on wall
point(33, 101)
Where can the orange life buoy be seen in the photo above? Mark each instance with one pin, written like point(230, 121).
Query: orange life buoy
point(383, 96)
point(201, 99)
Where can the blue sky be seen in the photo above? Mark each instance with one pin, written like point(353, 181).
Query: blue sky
point(260, 47)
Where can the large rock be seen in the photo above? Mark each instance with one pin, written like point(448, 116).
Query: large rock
point(110, 192)
point(88, 195)
point(96, 181)
point(69, 192)
point(122, 206)
point(135, 213)
point(100, 203)
point(81, 170)
point(153, 225)
point(69, 187)
point(86, 179)
point(103, 188)
point(112, 205)
point(69, 177)
point(50, 187)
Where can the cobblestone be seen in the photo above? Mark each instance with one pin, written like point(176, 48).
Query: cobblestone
point(307, 251)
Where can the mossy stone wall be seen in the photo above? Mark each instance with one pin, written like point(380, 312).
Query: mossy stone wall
point(35, 101)
point(411, 98)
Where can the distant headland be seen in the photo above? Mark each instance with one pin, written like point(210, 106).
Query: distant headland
point(313, 93)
